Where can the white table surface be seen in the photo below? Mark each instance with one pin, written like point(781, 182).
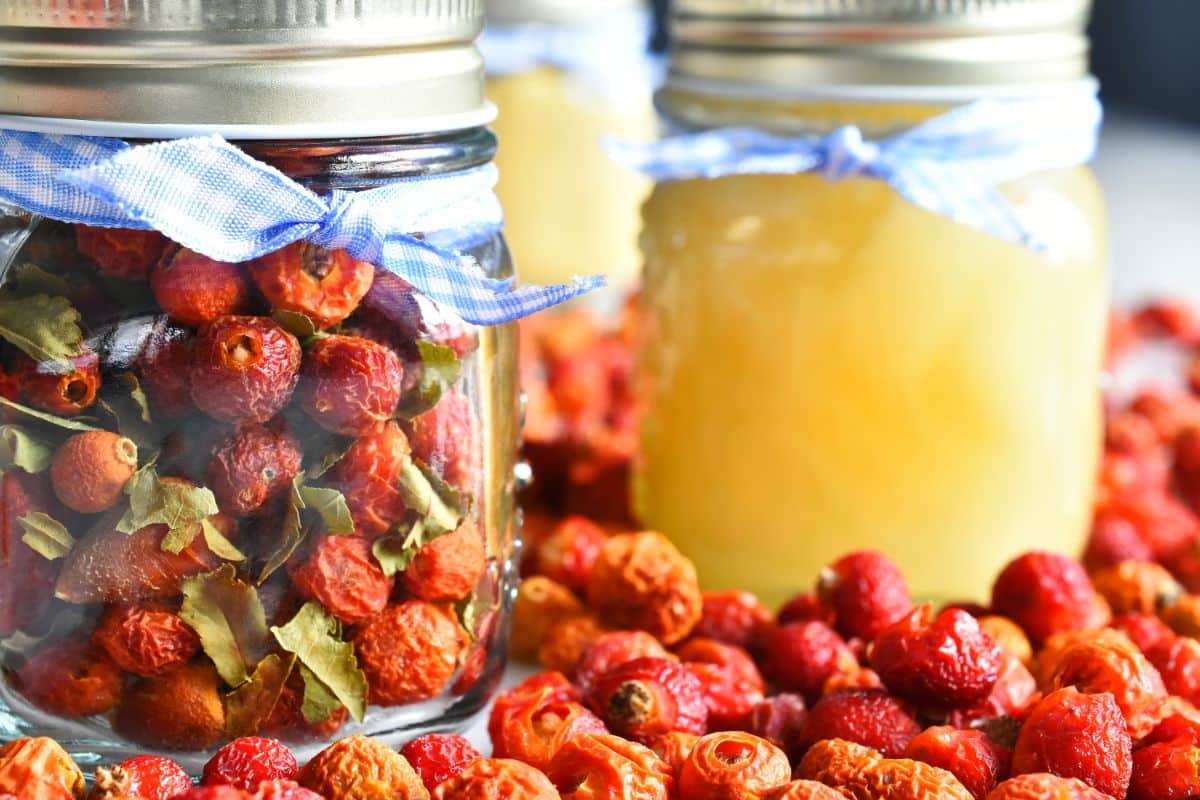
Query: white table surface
point(1151, 175)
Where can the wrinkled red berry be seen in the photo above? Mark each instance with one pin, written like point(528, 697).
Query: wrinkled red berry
point(447, 438)
point(613, 649)
point(1145, 630)
point(253, 466)
point(566, 553)
point(147, 777)
point(801, 656)
point(438, 756)
point(727, 656)
point(869, 717)
point(244, 369)
point(145, 639)
point(369, 476)
point(973, 758)
point(283, 790)
point(121, 252)
point(162, 368)
point(727, 694)
point(248, 761)
point(1046, 593)
point(647, 697)
point(1166, 771)
point(324, 285)
point(1114, 538)
point(196, 290)
point(349, 384)
point(780, 720)
point(71, 678)
point(1175, 727)
point(736, 618)
point(804, 607)
point(65, 393)
point(343, 576)
point(866, 592)
point(1177, 659)
point(1015, 689)
point(449, 567)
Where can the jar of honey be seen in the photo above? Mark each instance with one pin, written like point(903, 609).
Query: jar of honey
point(827, 364)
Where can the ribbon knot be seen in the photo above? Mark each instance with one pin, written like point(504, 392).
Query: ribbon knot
point(345, 215)
point(848, 154)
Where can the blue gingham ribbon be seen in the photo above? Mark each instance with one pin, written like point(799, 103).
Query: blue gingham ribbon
point(951, 164)
point(211, 197)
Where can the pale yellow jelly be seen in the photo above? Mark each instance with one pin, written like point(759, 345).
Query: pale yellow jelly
point(569, 209)
point(827, 367)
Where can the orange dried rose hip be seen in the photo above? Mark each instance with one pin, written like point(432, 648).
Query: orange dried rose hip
point(647, 697)
point(1044, 786)
point(449, 567)
point(532, 727)
point(1136, 587)
point(806, 790)
point(567, 640)
point(1095, 664)
point(674, 749)
point(605, 767)
point(1008, 636)
point(71, 678)
point(39, 769)
point(66, 394)
point(567, 552)
point(732, 765)
point(541, 602)
point(369, 477)
point(121, 252)
point(861, 773)
point(973, 758)
point(180, 710)
point(145, 639)
point(196, 290)
point(89, 470)
point(343, 576)
point(497, 779)
point(361, 767)
point(447, 438)
point(719, 654)
point(409, 651)
point(324, 285)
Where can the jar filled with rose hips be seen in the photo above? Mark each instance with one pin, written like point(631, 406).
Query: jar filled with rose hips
point(255, 480)
point(874, 293)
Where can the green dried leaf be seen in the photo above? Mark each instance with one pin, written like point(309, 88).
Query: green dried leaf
point(438, 503)
point(45, 328)
point(315, 638)
point(440, 369)
point(319, 702)
point(26, 279)
point(333, 455)
point(62, 422)
point(291, 533)
point(228, 617)
point(248, 705)
point(299, 325)
point(331, 505)
point(46, 535)
point(177, 505)
point(218, 544)
point(20, 449)
point(468, 614)
point(396, 551)
point(137, 395)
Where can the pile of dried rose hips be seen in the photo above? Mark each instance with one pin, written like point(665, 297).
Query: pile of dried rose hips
point(236, 498)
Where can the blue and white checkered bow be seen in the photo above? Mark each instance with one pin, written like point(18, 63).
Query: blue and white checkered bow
point(210, 196)
point(951, 165)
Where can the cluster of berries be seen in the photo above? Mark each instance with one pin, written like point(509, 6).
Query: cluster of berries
point(236, 498)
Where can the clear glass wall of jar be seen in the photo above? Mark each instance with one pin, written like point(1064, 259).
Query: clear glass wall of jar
point(827, 367)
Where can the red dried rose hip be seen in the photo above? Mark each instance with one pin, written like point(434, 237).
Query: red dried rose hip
point(447, 438)
point(121, 252)
point(802, 656)
point(253, 466)
point(973, 758)
point(162, 369)
point(349, 384)
point(196, 290)
point(369, 477)
point(244, 369)
point(148, 777)
point(1045, 593)
point(647, 697)
point(869, 717)
point(145, 639)
point(324, 285)
point(449, 567)
point(248, 761)
point(613, 649)
point(343, 576)
point(409, 651)
point(1166, 771)
point(65, 393)
point(567, 552)
point(866, 592)
point(439, 756)
point(734, 617)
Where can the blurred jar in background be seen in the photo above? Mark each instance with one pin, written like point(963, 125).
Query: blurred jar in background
point(826, 365)
point(565, 74)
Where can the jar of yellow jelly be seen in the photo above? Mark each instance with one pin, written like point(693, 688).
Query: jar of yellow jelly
point(564, 75)
point(828, 365)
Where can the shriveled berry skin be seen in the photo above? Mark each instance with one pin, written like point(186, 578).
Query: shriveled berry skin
point(647, 697)
point(733, 617)
point(534, 730)
point(145, 639)
point(710, 651)
point(566, 554)
point(870, 717)
point(1136, 586)
point(408, 651)
point(732, 765)
point(540, 604)
point(148, 777)
point(1077, 735)
point(805, 790)
point(727, 694)
point(973, 758)
point(567, 640)
point(361, 767)
point(448, 438)
point(1113, 539)
point(804, 607)
point(283, 790)
point(324, 285)
point(1178, 661)
point(1171, 728)
point(866, 592)
point(70, 679)
point(802, 656)
point(449, 567)
point(213, 793)
point(179, 710)
point(89, 470)
point(1166, 771)
point(121, 252)
point(1144, 630)
point(196, 290)
point(938, 662)
point(1045, 593)
point(349, 384)
point(614, 649)
point(529, 690)
point(244, 369)
point(1109, 663)
point(607, 767)
point(162, 369)
point(39, 769)
point(859, 772)
point(369, 475)
point(66, 394)
point(780, 720)
point(255, 465)
point(439, 756)
point(247, 762)
point(497, 779)
point(1044, 786)
point(343, 576)
point(674, 749)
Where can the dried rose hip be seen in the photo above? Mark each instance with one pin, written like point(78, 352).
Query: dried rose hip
point(1114, 538)
point(605, 767)
point(973, 758)
point(447, 438)
point(196, 290)
point(1144, 630)
point(642, 581)
point(1046, 593)
point(736, 618)
point(940, 662)
point(1136, 586)
point(731, 765)
point(286, 720)
point(343, 576)
point(859, 772)
point(162, 368)
point(121, 252)
point(1044, 786)
point(802, 656)
point(180, 710)
point(780, 720)
point(70, 679)
point(567, 640)
point(253, 466)
point(1166, 771)
point(614, 649)
point(65, 393)
point(283, 790)
point(39, 769)
point(567, 552)
point(674, 748)
point(244, 369)
point(248, 761)
point(710, 651)
point(534, 728)
point(1077, 736)
point(89, 470)
point(349, 385)
point(145, 639)
point(360, 767)
point(869, 717)
point(866, 592)
point(1008, 636)
point(323, 285)
point(497, 779)
point(369, 476)
point(647, 697)
point(1178, 662)
point(805, 790)
point(408, 651)
point(439, 756)
point(449, 567)
point(804, 607)
point(727, 694)
point(540, 604)
point(1095, 664)
point(148, 777)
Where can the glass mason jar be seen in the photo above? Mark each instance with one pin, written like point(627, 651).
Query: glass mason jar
point(584, 74)
point(828, 367)
point(274, 496)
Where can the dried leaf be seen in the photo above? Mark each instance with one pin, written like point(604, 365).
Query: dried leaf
point(338, 447)
point(20, 449)
point(46, 535)
point(178, 505)
point(331, 505)
point(299, 325)
point(315, 638)
point(291, 533)
point(397, 549)
point(26, 279)
point(45, 328)
point(137, 395)
point(218, 544)
point(62, 422)
point(437, 502)
point(319, 702)
point(469, 614)
point(440, 369)
point(248, 705)
point(228, 617)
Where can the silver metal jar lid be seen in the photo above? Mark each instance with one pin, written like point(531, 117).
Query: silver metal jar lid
point(248, 69)
point(555, 12)
point(786, 44)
